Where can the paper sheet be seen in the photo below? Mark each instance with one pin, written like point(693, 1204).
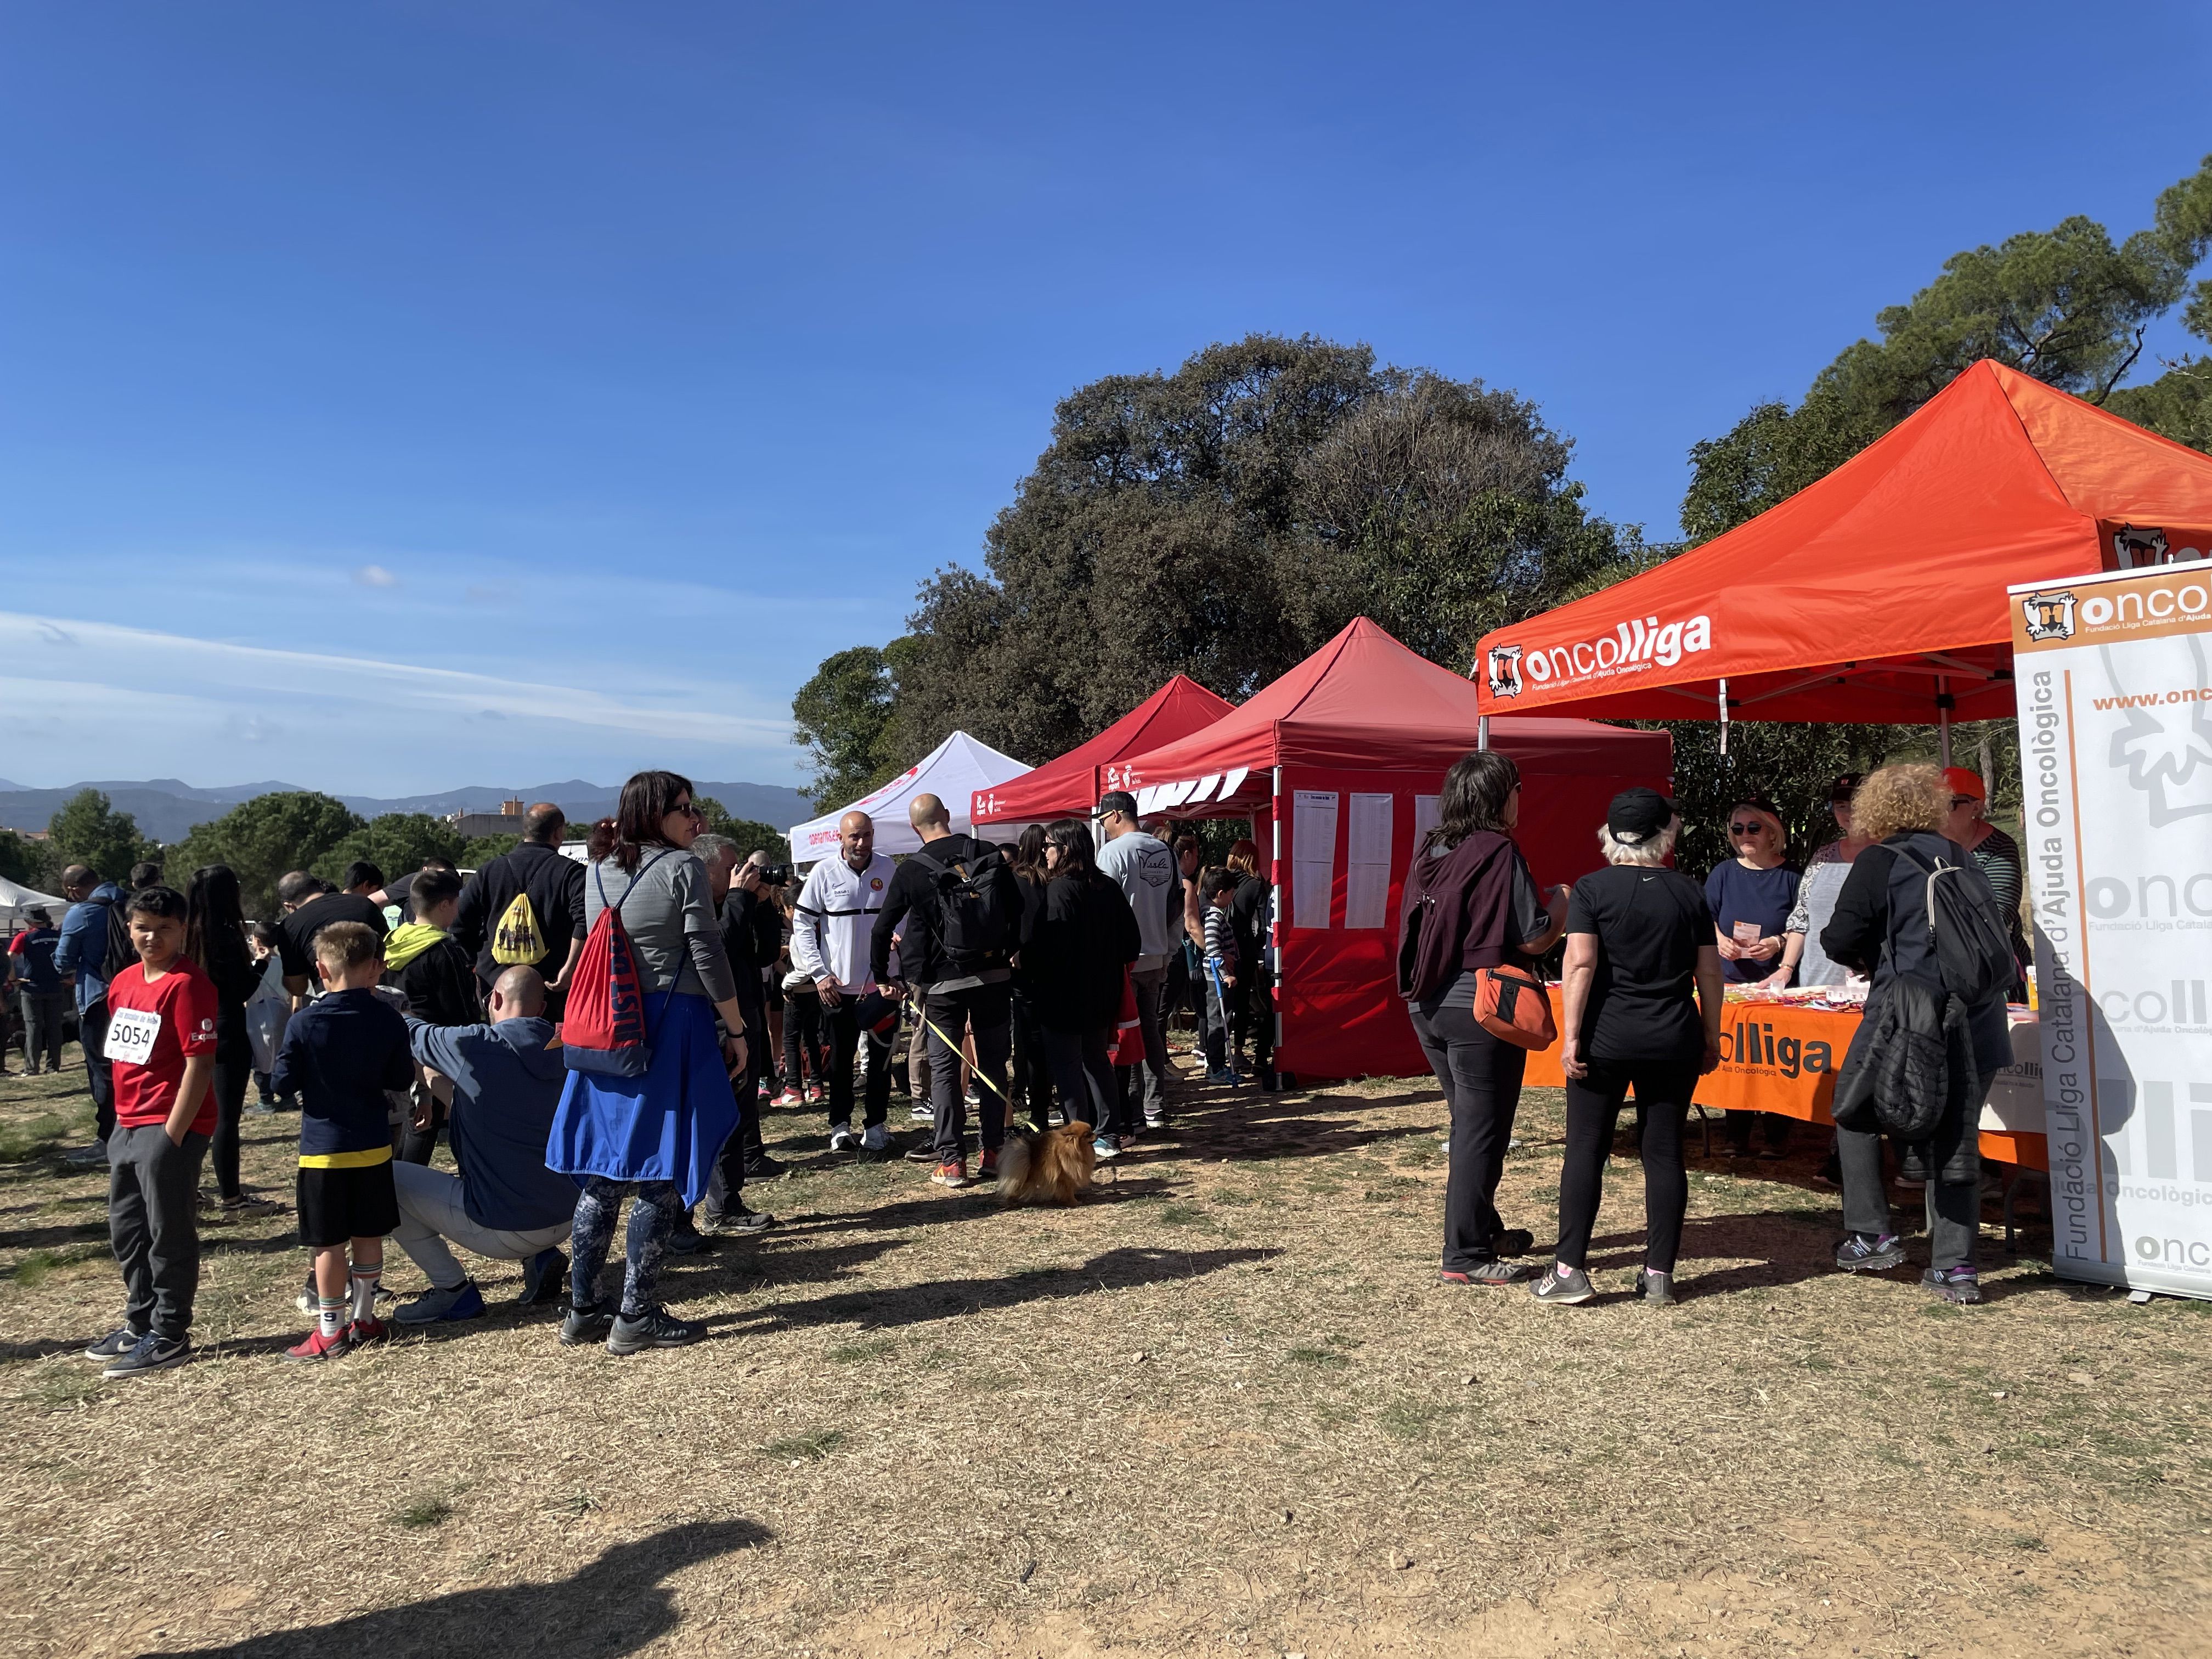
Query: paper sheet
point(1367, 875)
point(1234, 781)
point(1312, 856)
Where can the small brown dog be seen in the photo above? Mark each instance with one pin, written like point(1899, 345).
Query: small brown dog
point(1051, 1168)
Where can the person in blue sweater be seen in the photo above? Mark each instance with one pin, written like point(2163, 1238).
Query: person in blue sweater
point(80, 956)
point(505, 1203)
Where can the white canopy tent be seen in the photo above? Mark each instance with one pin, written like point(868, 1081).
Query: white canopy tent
point(15, 898)
point(953, 772)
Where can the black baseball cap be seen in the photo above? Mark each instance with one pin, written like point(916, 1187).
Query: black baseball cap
point(1116, 800)
point(1636, 815)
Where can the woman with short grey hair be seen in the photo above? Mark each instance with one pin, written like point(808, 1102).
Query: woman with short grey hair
point(1642, 992)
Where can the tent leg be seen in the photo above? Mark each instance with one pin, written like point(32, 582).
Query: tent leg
point(1944, 703)
point(1724, 718)
point(1482, 731)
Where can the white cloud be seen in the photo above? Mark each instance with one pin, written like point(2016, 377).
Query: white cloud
point(376, 575)
point(53, 636)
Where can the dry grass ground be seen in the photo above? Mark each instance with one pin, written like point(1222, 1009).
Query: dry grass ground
point(1225, 1408)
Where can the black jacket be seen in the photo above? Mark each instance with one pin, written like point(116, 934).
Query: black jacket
point(1083, 936)
point(556, 886)
point(912, 898)
point(439, 986)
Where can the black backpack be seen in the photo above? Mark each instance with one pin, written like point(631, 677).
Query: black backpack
point(121, 953)
point(975, 921)
point(1967, 935)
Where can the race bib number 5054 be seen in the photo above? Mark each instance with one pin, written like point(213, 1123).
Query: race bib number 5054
point(131, 1035)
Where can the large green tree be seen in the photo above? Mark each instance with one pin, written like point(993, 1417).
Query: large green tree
point(25, 861)
point(397, 843)
point(844, 716)
point(1221, 521)
point(263, 838)
point(87, 830)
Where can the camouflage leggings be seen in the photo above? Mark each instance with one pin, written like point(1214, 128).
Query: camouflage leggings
point(652, 1218)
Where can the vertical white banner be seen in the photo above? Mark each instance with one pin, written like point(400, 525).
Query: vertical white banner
point(1367, 862)
point(1312, 856)
point(2115, 692)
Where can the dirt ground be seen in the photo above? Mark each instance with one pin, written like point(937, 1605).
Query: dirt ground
point(1225, 1408)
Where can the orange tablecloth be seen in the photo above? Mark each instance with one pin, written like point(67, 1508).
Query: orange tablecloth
point(1779, 1058)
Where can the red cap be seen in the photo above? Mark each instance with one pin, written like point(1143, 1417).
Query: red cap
point(1964, 781)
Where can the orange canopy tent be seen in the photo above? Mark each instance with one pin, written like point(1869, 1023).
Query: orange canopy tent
point(1877, 593)
point(1070, 786)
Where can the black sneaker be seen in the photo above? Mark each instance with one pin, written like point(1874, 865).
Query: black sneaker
point(117, 1343)
point(151, 1352)
point(581, 1325)
point(655, 1328)
point(1514, 1241)
point(1491, 1273)
point(1656, 1289)
point(1864, 1253)
point(763, 1167)
point(543, 1276)
point(739, 1220)
point(924, 1153)
point(1565, 1285)
point(685, 1239)
point(1960, 1285)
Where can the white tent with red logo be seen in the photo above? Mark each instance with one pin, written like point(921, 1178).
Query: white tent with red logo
point(953, 772)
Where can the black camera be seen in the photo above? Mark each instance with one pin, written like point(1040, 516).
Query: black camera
point(774, 875)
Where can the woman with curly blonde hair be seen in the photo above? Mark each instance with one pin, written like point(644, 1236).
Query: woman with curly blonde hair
point(1881, 928)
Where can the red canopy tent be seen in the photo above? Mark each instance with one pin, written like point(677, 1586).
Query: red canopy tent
point(1338, 765)
point(1070, 786)
point(1877, 593)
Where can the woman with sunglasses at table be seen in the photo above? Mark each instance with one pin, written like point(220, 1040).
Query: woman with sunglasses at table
point(1752, 896)
point(655, 1137)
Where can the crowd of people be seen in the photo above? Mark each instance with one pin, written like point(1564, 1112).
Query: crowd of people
point(1037, 977)
point(1022, 981)
point(1647, 956)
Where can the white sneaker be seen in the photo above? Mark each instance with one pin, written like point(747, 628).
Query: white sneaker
point(842, 1140)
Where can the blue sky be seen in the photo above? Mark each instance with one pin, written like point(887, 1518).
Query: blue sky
point(402, 396)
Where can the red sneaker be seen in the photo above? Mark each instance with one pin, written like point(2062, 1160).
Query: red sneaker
point(370, 1330)
point(986, 1167)
point(319, 1346)
point(954, 1173)
point(789, 1097)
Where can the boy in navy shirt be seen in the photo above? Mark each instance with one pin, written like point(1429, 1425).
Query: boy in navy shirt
point(341, 1053)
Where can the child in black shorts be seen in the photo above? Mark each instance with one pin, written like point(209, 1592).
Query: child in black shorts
point(341, 1053)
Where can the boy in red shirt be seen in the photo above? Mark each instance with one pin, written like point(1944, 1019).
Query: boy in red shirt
point(161, 1039)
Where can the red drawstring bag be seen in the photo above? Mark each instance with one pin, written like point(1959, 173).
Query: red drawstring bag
point(603, 1030)
point(1128, 1030)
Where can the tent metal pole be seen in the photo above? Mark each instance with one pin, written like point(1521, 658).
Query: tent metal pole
point(1724, 718)
point(1482, 731)
point(1944, 703)
point(1275, 919)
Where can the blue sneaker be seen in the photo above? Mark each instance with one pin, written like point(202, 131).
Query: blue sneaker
point(463, 1302)
point(1105, 1149)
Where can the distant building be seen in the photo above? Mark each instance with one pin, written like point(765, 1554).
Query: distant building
point(508, 821)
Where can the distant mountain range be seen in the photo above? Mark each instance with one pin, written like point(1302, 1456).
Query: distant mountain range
point(167, 808)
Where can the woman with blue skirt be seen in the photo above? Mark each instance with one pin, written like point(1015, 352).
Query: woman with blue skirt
point(653, 1138)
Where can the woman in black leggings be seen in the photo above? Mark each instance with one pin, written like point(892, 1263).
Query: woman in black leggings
point(1639, 940)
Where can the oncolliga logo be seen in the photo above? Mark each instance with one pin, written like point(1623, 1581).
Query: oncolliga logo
point(1505, 671)
point(1641, 640)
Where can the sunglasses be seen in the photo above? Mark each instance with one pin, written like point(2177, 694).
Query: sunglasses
point(1957, 801)
point(1748, 829)
point(689, 812)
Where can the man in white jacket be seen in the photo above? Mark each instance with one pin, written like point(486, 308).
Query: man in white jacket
point(829, 930)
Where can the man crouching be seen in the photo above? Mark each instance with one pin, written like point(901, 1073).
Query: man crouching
point(505, 1203)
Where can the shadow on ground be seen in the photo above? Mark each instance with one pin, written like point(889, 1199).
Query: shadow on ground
point(616, 1605)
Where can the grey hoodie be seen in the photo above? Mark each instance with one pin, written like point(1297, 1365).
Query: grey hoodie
point(507, 1083)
